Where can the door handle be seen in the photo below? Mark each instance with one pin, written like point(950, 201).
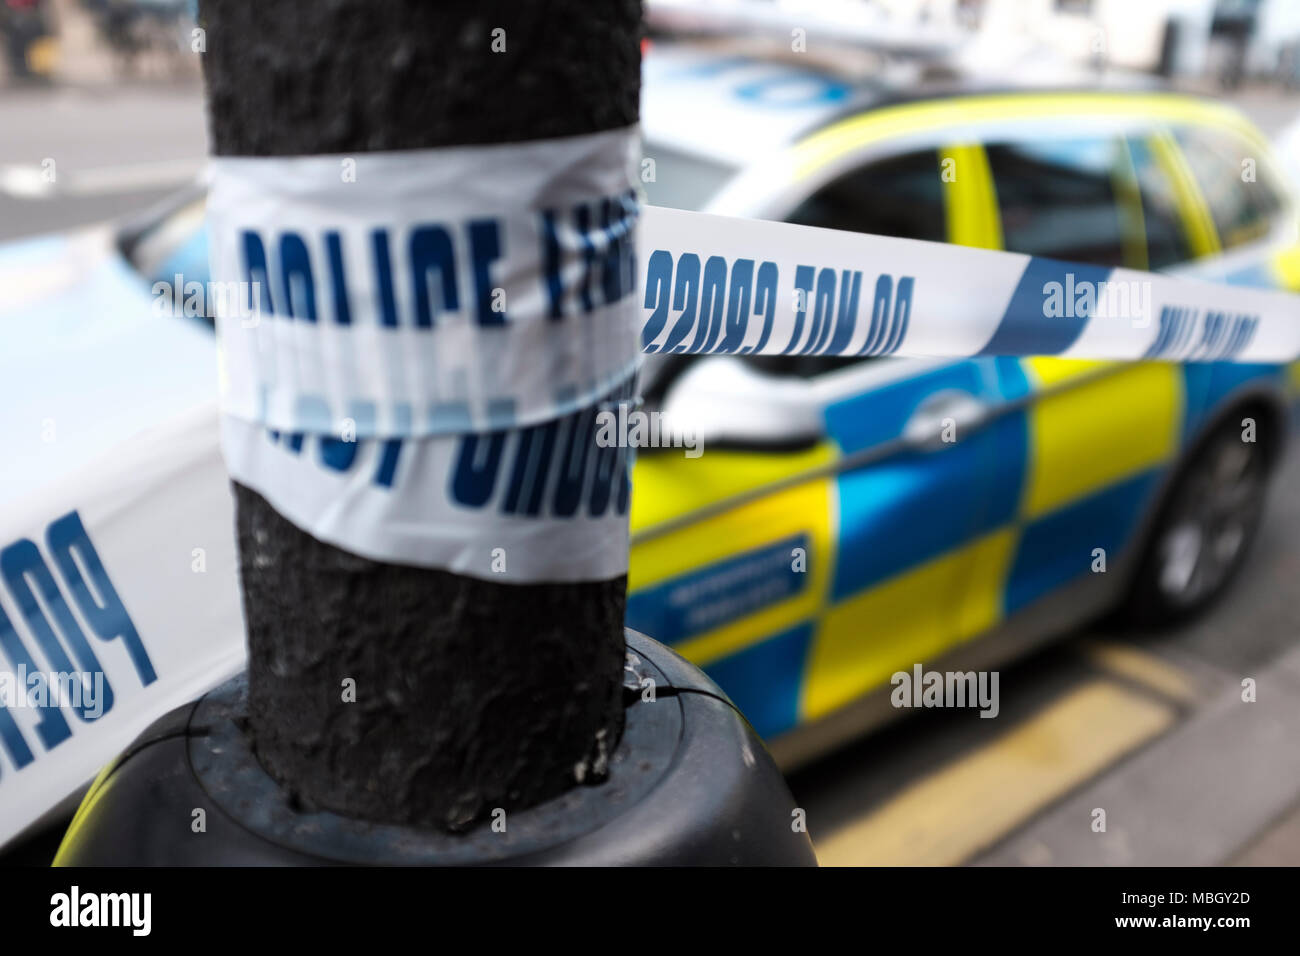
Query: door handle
point(944, 418)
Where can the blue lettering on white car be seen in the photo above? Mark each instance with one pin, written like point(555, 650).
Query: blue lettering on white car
point(45, 603)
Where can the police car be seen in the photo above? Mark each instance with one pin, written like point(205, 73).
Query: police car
point(850, 518)
point(1070, 488)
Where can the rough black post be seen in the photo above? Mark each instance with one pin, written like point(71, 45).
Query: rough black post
point(471, 694)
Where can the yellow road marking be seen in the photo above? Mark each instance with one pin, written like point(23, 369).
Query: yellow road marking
point(1138, 666)
point(966, 806)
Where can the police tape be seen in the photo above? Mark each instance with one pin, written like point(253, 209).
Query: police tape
point(423, 351)
point(367, 314)
point(118, 602)
point(715, 284)
point(414, 346)
point(425, 292)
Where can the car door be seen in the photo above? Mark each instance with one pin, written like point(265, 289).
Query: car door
point(919, 517)
point(802, 579)
point(1252, 237)
point(1098, 435)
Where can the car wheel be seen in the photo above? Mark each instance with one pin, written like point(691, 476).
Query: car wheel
point(1204, 529)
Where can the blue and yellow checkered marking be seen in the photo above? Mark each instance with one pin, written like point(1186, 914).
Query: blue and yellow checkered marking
point(723, 592)
point(765, 679)
point(920, 551)
point(923, 550)
point(912, 507)
point(667, 487)
point(1048, 499)
point(928, 549)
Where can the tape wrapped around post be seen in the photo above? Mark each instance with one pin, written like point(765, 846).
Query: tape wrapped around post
point(412, 366)
point(414, 345)
point(426, 292)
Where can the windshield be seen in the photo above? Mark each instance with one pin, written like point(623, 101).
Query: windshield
point(169, 239)
point(683, 181)
point(679, 180)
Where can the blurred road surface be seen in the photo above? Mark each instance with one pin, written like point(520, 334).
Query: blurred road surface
point(114, 150)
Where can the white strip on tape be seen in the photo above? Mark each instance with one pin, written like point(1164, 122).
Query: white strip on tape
point(426, 292)
point(717, 284)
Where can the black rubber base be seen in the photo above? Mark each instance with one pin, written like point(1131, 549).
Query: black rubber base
point(689, 783)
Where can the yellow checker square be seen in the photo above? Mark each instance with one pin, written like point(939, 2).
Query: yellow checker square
point(979, 607)
point(803, 509)
point(1067, 428)
point(1286, 268)
point(859, 642)
point(912, 617)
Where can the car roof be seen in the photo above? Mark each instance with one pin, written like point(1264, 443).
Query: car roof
point(730, 105)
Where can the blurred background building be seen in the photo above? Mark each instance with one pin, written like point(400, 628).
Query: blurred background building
point(96, 41)
point(1225, 40)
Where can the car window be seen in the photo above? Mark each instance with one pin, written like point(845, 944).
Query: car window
point(1242, 200)
point(1167, 240)
point(900, 196)
point(1058, 197)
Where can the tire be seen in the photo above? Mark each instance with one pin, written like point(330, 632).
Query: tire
point(1204, 529)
